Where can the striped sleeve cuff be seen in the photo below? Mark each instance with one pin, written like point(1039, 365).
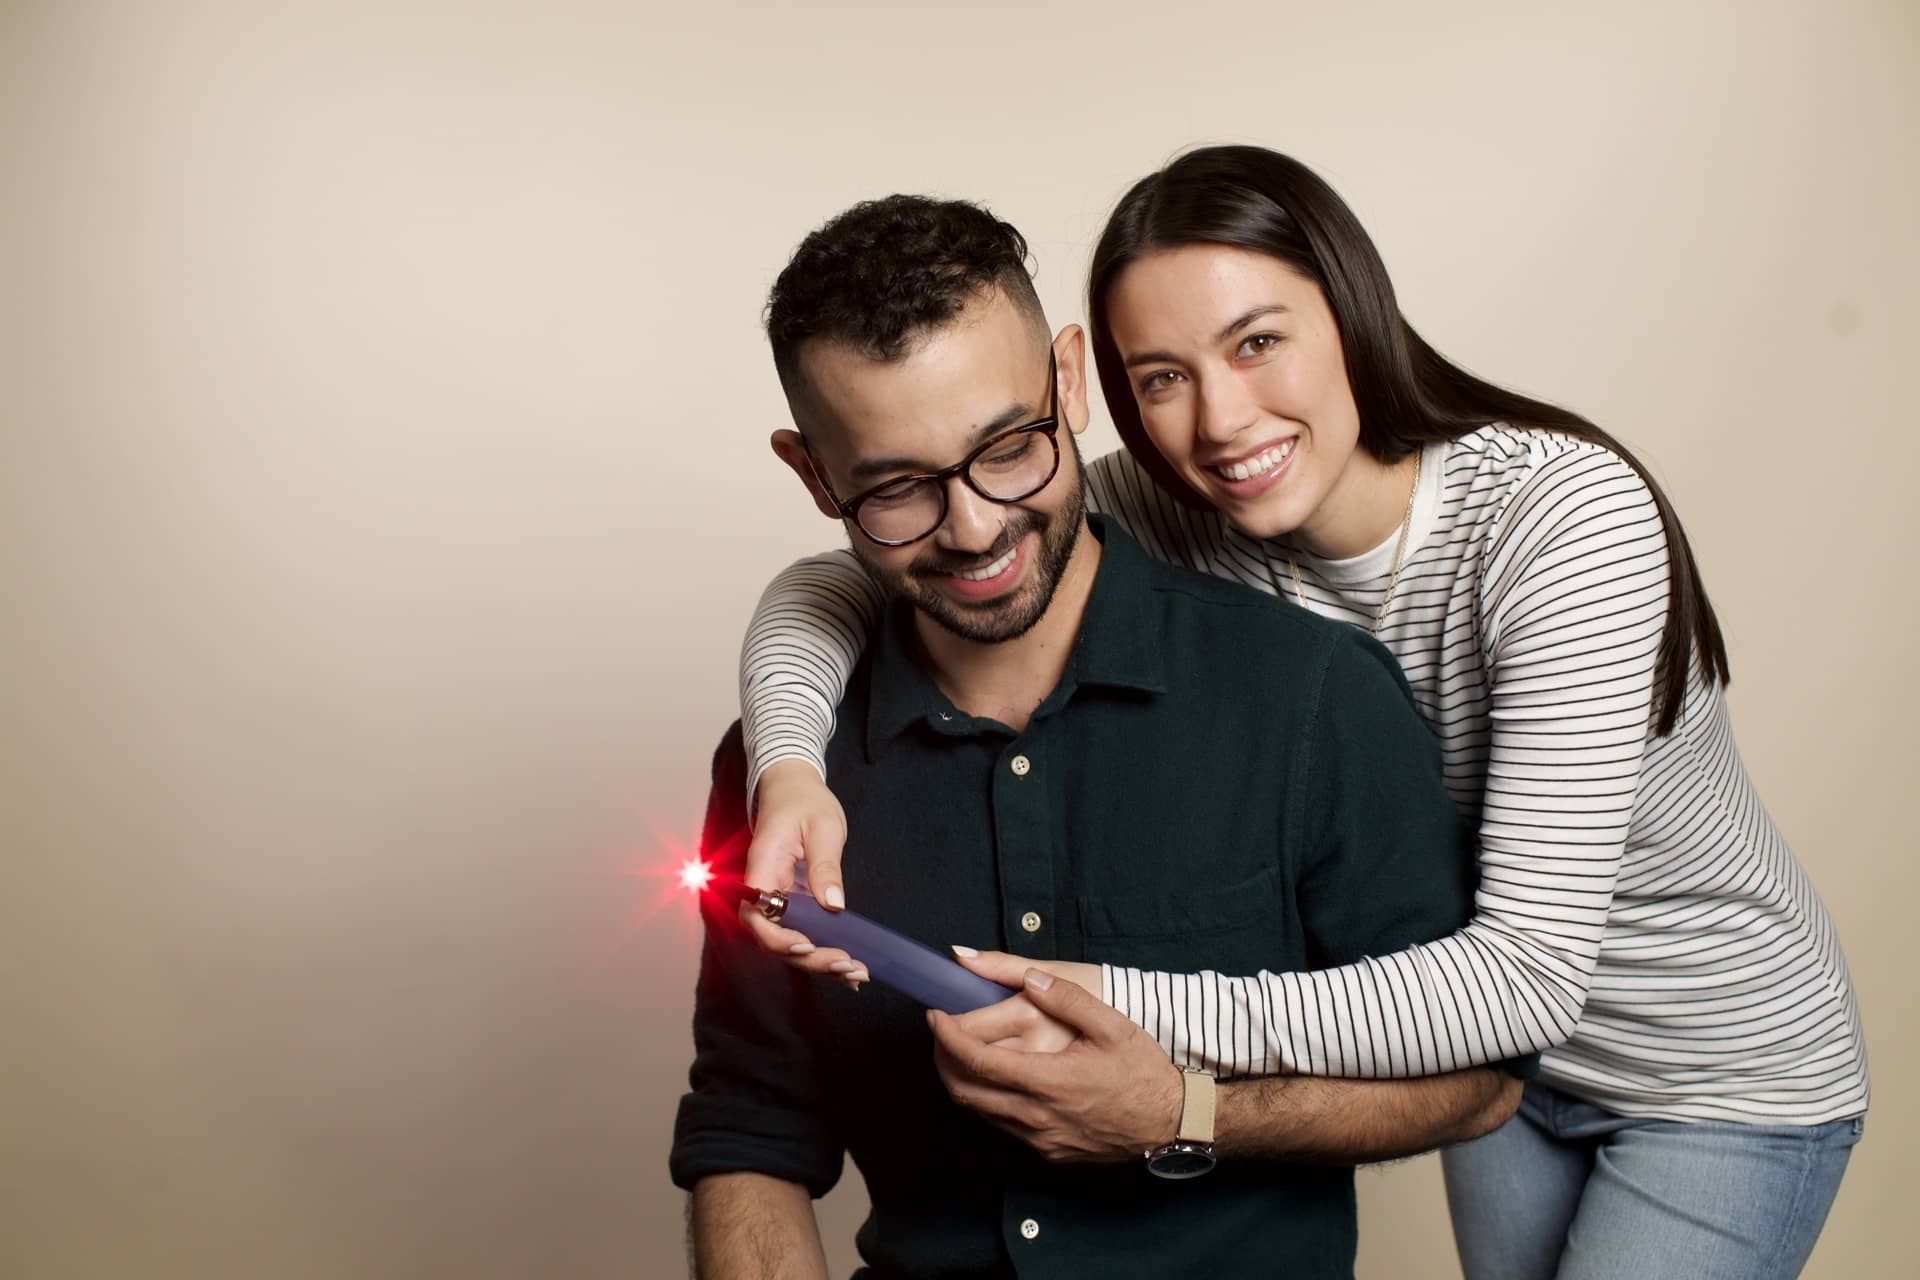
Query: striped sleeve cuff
point(1203, 1020)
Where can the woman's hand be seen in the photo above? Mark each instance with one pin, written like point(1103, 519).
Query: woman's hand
point(1011, 971)
point(799, 820)
point(1016, 1023)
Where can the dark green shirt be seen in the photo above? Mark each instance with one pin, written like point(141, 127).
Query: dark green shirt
point(1220, 780)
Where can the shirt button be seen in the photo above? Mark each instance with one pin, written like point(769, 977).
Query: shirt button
point(1029, 1229)
point(1031, 923)
point(1020, 765)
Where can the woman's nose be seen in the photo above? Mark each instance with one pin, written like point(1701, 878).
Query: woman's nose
point(1225, 409)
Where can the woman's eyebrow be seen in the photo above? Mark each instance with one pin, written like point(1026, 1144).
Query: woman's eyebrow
point(1246, 318)
point(1238, 323)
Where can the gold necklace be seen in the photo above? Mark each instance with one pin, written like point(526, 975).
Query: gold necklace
point(1399, 550)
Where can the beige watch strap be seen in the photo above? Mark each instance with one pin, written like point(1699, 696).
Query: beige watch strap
point(1196, 1113)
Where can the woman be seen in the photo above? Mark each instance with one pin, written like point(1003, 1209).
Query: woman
point(1640, 922)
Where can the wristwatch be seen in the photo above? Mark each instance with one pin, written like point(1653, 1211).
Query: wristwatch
point(1190, 1154)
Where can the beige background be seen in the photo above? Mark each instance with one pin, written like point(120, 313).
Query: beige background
point(384, 488)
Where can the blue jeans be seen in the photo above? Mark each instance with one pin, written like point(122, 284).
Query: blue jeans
point(1565, 1189)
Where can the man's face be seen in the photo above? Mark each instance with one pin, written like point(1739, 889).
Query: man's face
point(988, 571)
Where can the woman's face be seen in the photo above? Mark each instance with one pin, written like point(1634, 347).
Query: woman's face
point(1235, 363)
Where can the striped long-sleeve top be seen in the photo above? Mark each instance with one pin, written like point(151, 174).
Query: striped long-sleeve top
point(1639, 921)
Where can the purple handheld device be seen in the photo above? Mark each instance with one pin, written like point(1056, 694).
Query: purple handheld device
point(911, 968)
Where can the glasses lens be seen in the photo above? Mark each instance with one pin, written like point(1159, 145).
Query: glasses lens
point(901, 512)
point(1017, 465)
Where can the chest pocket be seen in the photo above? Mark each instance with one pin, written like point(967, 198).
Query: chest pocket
point(1237, 927)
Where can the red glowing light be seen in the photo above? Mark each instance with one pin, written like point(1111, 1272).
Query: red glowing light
point(695, 875)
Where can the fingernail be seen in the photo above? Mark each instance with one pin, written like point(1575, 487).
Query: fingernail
point(800, 949)
point(861, 977)
point(841, 966)
point(1039, 979)
point(968, 952)
point(835, 898)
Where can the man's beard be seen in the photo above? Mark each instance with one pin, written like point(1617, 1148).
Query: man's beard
point(1006, 617)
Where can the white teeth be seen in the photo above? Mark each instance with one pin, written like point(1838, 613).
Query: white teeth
point(993, 570)
point(1266, 461)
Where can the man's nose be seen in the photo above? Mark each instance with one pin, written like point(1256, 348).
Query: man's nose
point(1225, 409)
point(973, 523)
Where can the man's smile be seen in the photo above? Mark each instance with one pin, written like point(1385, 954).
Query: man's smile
point(993, 579)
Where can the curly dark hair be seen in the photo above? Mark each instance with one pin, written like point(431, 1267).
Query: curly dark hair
point(887, 271)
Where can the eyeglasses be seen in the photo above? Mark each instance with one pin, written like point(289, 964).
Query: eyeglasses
point(1010, 466)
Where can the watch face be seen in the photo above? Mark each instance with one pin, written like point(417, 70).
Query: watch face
point(1181, 1160)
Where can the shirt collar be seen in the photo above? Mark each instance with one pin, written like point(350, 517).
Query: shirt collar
point(1118, 647)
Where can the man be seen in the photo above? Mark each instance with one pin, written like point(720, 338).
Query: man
point(1058, 747)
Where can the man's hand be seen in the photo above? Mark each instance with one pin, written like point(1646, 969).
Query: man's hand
point(1110, 1095)
point(798, 820)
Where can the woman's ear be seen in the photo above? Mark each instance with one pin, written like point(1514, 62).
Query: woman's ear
point(791, 448)
point(1070, 356)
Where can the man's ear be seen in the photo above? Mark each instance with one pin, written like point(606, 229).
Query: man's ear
point(1070, 356)
point(792, 450)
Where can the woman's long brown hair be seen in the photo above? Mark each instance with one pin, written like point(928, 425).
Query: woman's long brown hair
point(1408, 395)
